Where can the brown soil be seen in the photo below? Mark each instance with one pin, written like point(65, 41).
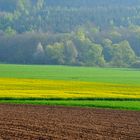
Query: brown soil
point(19, 122)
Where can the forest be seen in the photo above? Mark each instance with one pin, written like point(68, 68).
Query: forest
point(70, 32)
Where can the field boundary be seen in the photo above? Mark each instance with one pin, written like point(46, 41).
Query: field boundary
point(121, 104)
point(70, 99)
point(73, 99)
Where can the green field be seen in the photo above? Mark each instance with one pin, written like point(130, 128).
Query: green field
point(89, 74)
point(70, 86)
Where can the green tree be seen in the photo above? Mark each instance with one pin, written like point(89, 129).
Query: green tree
point(88, 53)
point(10, 32)
point(21, 5)
point(123, 55)
point(107, 49)
point(55, 53)
point(70, 53)
point(94, 55)
point(81, 34)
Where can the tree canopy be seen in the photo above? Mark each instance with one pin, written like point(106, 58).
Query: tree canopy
point(70, 32)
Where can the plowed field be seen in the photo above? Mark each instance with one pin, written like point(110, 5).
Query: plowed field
point(62, 123)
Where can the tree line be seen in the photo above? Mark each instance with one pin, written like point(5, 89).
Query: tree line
point(74, 32)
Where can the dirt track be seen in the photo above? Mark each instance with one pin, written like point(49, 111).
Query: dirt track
point(61, 123)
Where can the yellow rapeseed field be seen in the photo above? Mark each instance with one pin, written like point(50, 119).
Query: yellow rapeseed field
point(25, 88)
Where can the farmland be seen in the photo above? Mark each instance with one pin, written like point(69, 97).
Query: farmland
point(70, 86)
point(87, 74)
point(69, 123)
point(69, 69)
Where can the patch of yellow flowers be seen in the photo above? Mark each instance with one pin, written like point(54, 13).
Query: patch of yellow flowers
point(26, 88)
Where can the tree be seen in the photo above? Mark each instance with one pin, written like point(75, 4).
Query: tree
point(80, 34)
point(39, 55)
point(55, 53)
point(94, 55)
point(123, 55)
point(10, 32)
point(39, 4)
point(88, 53)
point(70, 53)
point(107, 49)
point(21, 5)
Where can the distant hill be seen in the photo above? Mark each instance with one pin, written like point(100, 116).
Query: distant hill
point(65, 15)
point(81, 32)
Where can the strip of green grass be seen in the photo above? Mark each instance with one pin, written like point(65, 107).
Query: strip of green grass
point(126, 105)
point(106, 75)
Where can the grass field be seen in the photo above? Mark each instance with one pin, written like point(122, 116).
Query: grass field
point(70, 86)
point(87, 74)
